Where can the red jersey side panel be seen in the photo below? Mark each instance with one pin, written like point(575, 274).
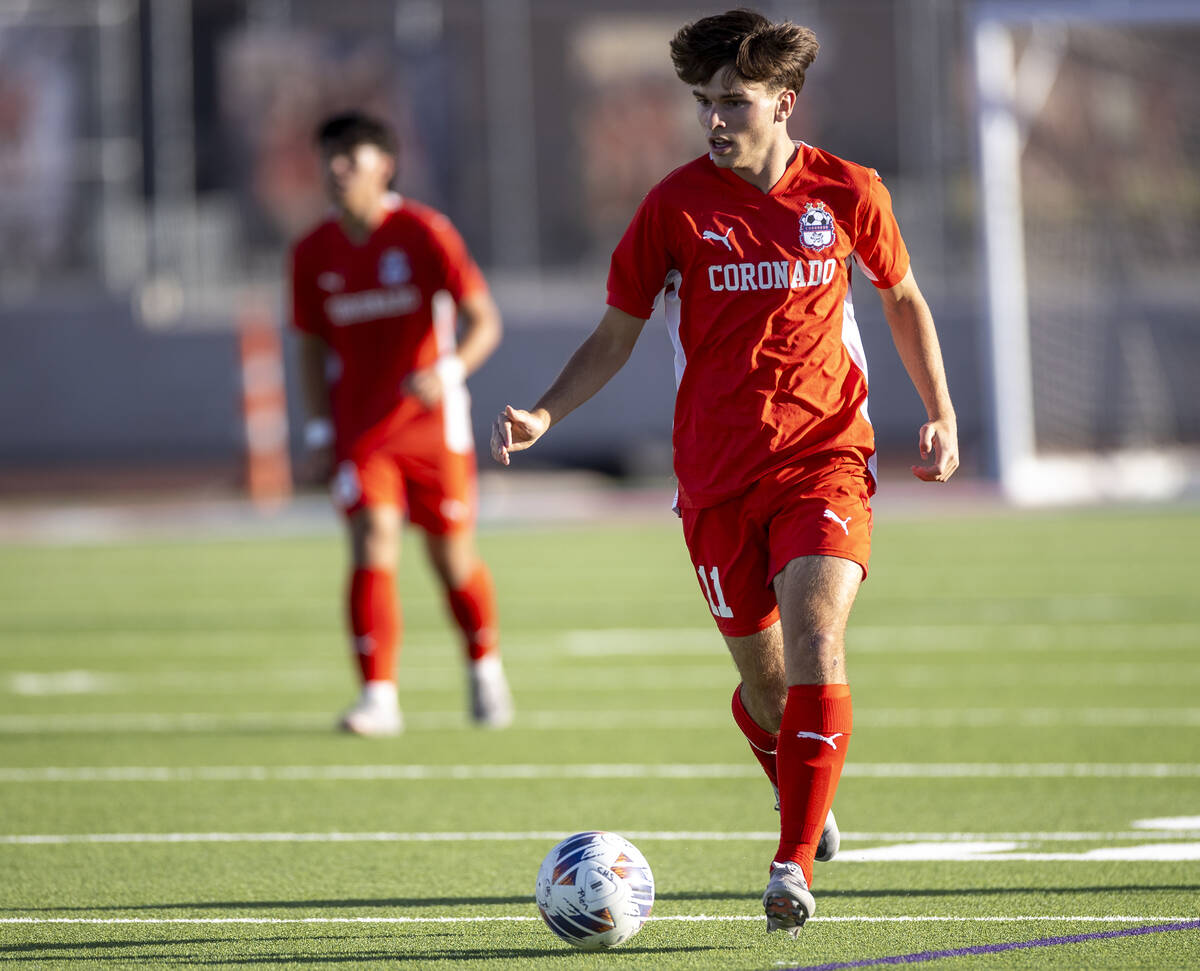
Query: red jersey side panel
point(769, 363)
point(385, 308)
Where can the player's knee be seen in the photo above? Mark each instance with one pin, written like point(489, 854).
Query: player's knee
point(375, 538)
point(764, 696)
point(821, 655)
point(823, 643)
point(454, 558)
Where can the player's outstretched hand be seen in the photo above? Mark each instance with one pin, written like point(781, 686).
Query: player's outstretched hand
point(940, 440)
point(515, 430)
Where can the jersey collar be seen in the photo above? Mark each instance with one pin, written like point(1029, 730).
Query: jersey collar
point(793, 170)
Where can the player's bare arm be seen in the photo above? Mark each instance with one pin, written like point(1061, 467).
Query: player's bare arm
point(590, 368)
point(318, 430)
point(913, 332)
point(481, 332)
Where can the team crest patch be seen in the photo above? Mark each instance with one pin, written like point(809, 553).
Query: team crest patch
point(817, 228)
point(393, 268)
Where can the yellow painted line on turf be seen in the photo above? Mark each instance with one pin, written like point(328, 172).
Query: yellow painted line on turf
point(411, 773)
point(59, 839)
point(522, 918)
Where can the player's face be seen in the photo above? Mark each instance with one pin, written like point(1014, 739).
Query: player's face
point(741, 119)
point(357, 178)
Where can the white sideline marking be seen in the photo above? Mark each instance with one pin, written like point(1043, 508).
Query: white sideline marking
point(522, 918)
point(581, 679)
point(999, 852)
point(205, 682)
point(1030, 770)
point(890, 638)
point(683, 719)
point(1027, 717)
point(1168, 822)
point(308, 773)
point(58, 839)
point(39, 684)
point(176, 722)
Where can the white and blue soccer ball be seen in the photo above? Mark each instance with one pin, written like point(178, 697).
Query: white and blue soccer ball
point(595, 890)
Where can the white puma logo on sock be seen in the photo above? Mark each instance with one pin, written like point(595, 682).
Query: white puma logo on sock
point(844, 523)
point(827, 739)
point(709, 234)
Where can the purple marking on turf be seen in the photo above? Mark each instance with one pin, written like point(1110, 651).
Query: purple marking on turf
point(956, 952)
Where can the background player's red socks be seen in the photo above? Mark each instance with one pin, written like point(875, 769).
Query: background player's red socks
point(762, 742)
point(474, 610)
point(375, 622)
point(812, 750)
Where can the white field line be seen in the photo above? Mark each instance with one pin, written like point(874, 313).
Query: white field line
point(154, 722)
point(1003, 851)
point(523, 918)
point(1047, 639)
point(888, 638)
point(1167, 822)
point(683, 719)
point(579, 678)
point(411, 773)
point(701, 674)
point(59, 839)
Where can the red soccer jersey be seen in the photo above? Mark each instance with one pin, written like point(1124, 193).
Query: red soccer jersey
point(385, 307)
point(769, 364)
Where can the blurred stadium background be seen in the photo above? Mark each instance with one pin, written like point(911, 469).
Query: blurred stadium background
point(155, 160)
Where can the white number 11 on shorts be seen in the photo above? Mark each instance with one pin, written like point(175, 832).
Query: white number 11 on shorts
point(714, 593)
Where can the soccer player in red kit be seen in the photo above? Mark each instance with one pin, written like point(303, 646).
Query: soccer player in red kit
point(751, 246)
point(377, 293)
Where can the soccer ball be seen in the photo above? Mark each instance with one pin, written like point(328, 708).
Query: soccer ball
point(594, 890)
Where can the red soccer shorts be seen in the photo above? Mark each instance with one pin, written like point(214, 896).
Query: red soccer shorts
point(820, 506)
point(418, 473)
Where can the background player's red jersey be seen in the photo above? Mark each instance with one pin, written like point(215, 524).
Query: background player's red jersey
point(386, 307)
point(768, 359)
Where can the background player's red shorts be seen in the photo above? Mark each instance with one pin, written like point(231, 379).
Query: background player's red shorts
point(434, 485)
point(818, 507)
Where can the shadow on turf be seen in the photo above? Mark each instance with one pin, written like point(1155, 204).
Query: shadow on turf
point(88, 951)
point(478, 954)
point(48, 951)
point(1001, 891)
point(390, 902)
point(683, 895)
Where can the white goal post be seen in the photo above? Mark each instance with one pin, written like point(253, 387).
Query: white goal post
point(1059, 303)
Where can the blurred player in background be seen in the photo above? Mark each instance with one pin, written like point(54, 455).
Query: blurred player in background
point(751, 245)
point(377, 293)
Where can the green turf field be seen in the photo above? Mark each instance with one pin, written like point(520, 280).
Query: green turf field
point(1025, 763)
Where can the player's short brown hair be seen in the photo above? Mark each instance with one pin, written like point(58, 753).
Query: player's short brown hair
point(349, 129)
point(747, 43)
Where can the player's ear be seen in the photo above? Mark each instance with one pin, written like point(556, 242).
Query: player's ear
point(785, 104)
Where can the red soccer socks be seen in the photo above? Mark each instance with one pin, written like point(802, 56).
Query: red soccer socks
point(474, 610)
point(817, 721)
point(762, 743)
point(375, 618)
point(374, 622)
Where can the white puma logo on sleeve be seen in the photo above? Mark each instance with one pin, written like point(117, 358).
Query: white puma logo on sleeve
point(717, 237)
point(827, 739)
point(844, 523)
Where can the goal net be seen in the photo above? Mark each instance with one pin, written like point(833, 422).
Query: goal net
point(1089, 132)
